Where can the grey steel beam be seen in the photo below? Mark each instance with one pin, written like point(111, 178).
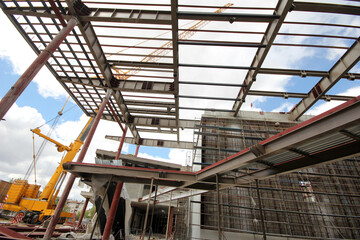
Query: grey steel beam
point(342, 66)
point(227, 17)
point(102, 15)
point(150, 104)
point(151, 111)
point(156, 142)
point(337, 153)
point(329, 122)
point(165, 88)
point(125, 85)
point(304, 73)
point(175, 45)
point(89, 35)
point(130, 172)
point(298, 95)
point(158, 122)
point(144, 16)
point(141, 64)
point(273, 28)
point(326, 8)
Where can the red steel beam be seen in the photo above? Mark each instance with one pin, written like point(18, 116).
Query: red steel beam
point(57, 12)
point(64, 196)
point(115, 201)
point(82, 213)
point(15, 91)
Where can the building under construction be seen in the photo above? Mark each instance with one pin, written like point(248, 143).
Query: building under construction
point(210, 78)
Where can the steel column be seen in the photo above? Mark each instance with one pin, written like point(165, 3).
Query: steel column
point(152, 213)
point(115, 201)
point(218, 206)
point(112, 211)
point(64, 196)
point(101, 205)
point(137, 150)
point(82, 213)
point(147, 208)
point(260, 208)
point(15, 91)
point(168, 230)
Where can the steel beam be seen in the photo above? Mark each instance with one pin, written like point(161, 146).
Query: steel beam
point(322, 125)
point(95, 48)
point(133, 173)
point(71, 180)
point(16, 90)
point(342, 66)
point(326, 8)
point(111, 15)
point(156, 142)
point(273, 28)
point(141, 64)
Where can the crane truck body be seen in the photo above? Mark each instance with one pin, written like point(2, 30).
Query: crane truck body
point(27, 200)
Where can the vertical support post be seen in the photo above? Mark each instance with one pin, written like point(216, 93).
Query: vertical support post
point(112, 211)
point(168, 220)
point(147, 209)
point(64, 196)
point(115, 201)
point(82, 213)
point(15, 91)
point(260, 208)
point(101, 205)
point(152, 212)
point(218, 206)
point(137, 150)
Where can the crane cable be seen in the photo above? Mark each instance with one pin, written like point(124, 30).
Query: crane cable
point(42, 146)
point(33, 137)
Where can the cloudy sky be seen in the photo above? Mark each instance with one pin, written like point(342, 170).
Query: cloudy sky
point(45, 97)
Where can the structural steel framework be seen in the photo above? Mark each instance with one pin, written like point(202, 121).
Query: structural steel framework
point(154, 67)
point(141, 54)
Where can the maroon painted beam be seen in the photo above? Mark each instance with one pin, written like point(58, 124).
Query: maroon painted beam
point(82, 213)
point(80, 159)
point(15, 91)
point(12, 234)
point(115, 201)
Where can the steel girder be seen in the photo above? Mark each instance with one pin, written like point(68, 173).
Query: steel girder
point(282, 8)
point(342, 66)
point(322, 125)
point(156, 142)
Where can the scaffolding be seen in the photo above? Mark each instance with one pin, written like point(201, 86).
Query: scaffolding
point(314, 203)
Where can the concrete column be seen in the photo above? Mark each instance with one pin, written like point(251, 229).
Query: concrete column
point(15, 91)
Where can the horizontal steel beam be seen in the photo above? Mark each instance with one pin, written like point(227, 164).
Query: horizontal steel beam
point(141, 64)
point(125, 85)
point(155, 142)
point(143, 16)
point(326, 8)
point(228, 17)
point(157, 122)
point(322, 125)
point(131, 174)
point(350, 58)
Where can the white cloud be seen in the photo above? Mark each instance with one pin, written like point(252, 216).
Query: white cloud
point(17, 148)
point(285, 107)
point(176, 156)
point(355, 91)
point(14, 48)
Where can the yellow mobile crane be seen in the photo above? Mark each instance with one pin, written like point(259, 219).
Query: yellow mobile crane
point(25, 199)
